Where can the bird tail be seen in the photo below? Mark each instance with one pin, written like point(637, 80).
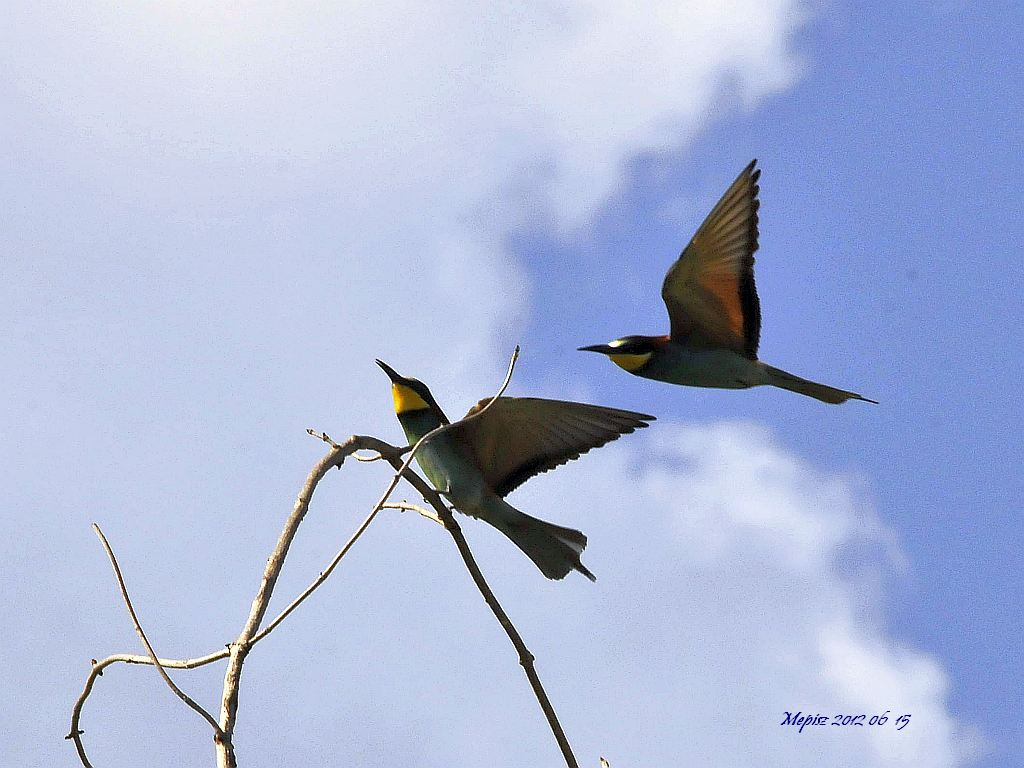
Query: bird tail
point(823, 392)
point(553, 549)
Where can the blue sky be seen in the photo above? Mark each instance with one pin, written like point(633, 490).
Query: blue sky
point(887, 266)
point(216, 218)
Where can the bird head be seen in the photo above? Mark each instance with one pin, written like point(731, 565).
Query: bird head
point(630, 352)
point(409, 394)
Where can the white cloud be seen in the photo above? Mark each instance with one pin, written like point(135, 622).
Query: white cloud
point(725, 598)
point(441, 107)
point(390, 146)
point(425, 135)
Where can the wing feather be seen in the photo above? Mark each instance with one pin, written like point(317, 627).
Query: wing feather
point(709, 291)
point(519, 437)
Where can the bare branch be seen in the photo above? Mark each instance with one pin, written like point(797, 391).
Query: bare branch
point(324, 437)
point(238, 650)
point(368, 459)
point(526, 658)
point(75, 734)
point(482, 411)
point(382, 450)
point(405, 506)
point(235, 651)
point(154, 659)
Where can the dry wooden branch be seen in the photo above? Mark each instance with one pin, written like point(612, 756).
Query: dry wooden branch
point(239, 649)
point(335, 457)
point(404, 506)
point(526, 658)
point(154, 659)
point(75, 733)
point(365, 442)
point(234, 651)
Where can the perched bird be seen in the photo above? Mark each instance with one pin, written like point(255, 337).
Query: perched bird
point(479, 461)
point(713, 310)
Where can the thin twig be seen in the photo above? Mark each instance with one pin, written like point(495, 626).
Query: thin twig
point(526, 658)
point(154, 659)
point(382, 450)
point(238, 650)
point(366, 459)
point(405, 506)
point(336, 456)
point(75, 734)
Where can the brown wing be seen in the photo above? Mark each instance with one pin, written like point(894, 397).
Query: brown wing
point(709, 291)
point(519, 437)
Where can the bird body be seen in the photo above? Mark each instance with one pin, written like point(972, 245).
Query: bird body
point(477, 461)
point(660, 358)
point(446, 464)
point(714, 310)
point(451, 470)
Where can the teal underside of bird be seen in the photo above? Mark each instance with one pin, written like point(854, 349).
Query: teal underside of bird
point(726, 369)
point(554, 549)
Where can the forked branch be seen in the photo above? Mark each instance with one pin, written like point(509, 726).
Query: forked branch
point(75, 733)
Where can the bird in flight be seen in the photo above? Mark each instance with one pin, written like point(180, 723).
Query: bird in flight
point(713, 309)
point(478, 461)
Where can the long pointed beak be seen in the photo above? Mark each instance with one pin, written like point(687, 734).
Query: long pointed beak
point(604, 349)
point(391, 372)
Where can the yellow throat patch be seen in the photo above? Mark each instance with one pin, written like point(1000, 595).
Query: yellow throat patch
point(631, 362)
point(407, 399)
